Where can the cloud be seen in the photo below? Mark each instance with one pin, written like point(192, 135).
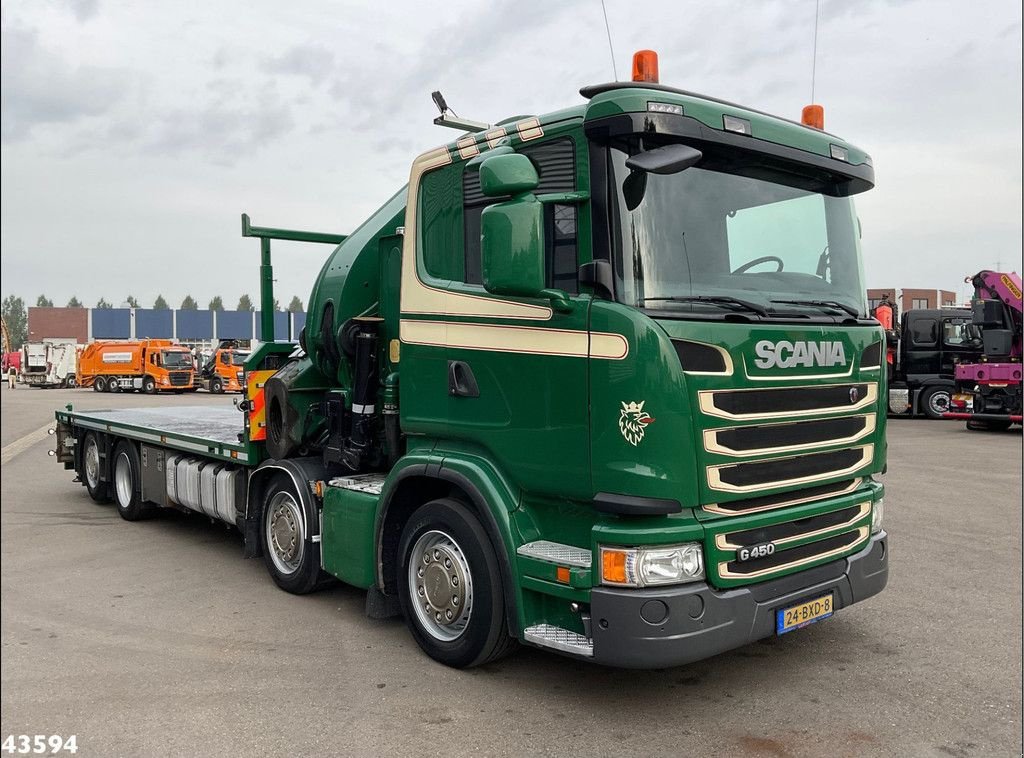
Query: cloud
point(40, 88)
point(84, 10)
point(310, 61)
point(223, 131)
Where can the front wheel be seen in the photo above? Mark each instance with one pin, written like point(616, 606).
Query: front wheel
point(217, 386)
point(935, 401)
point(450, 586)
point(289, 552)
point(149, 385)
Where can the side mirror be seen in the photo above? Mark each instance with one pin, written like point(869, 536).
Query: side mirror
point(512, 247)
point(667, 159)
point(507, 174)
point(512, 232)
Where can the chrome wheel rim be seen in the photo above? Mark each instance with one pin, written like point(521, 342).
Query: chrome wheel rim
point(939, 402)
point(123, 484)
point(440, 586)
point(92, 464)
point(284, 533)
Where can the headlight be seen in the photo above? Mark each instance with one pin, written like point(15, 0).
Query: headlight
point(646, 567)
point(876, 516)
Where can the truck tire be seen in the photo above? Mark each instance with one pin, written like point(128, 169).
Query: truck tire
point(988, 426)
point(113, 385)
point(935, 401)
point(92, 469)
point(127, 482)
point(449, 586)
point(149, 385)
point(70, 382)
point(99, 384)
point(216, 385)
point(289, 552)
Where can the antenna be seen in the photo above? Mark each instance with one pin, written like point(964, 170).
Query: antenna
point(611, 49)
point(814, 55)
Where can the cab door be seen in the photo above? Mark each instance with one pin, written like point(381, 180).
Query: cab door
point(515, 368)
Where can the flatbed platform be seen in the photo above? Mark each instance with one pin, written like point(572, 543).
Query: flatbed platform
point(213, 431)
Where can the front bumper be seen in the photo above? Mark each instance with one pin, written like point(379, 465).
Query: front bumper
point(670, 627)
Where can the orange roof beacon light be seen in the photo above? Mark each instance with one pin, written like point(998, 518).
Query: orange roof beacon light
point(645, 66)
point(813, 116)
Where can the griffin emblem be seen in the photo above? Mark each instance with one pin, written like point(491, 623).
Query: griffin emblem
point(633, 420)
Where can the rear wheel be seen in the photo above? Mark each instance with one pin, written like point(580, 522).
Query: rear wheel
point(113, 385)
point(70, 381)
point(99, 384)
point(935, 401)
point(450, 586)
point(127, 484)
point(92, 469)
point(148, 385)
point(289, 552)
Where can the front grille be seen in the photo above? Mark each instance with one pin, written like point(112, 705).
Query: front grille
point(741, 477)
point(791, 531)
point(794, 557)
point(775, 436)
point(241, 377)
point(781, 401)
point(179, 378)
point(794, 497)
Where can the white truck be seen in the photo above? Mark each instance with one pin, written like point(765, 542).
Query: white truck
point(49, 363)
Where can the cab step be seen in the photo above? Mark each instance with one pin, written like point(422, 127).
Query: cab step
point(557, 638)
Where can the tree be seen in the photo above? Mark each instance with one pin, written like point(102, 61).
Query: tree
point(43, 302)
point(160, 304)
point(245, 304)
point(217, 304)
point(74, 302)
point(103, 305)
point(295, 306)
point(189, 304)
point(132, 302)
point(16, 318)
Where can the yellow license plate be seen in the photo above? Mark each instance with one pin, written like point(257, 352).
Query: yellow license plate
point(799, 616)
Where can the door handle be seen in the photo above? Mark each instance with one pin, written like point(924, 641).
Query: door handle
point(461, 382)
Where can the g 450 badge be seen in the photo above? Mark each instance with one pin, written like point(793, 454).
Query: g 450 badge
point(751, 552)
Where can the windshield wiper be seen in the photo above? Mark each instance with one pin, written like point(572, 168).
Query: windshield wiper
point(823, 304)
point(722, 300)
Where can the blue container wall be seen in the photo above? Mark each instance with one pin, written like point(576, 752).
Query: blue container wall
point(194, 325)
point(234, 325)
point(150, 324)
point(280, 326)
point(111, 323)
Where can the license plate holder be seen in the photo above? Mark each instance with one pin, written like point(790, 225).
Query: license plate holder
point(803, 614)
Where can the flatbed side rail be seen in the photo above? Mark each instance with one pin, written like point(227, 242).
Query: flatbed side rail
point(216, 449)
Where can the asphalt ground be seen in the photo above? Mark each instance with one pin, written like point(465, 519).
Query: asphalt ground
point(157, 638)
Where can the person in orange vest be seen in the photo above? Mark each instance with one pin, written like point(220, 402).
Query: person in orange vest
point(885, 314)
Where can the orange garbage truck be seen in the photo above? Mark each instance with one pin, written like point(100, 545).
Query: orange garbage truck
point(143, 365)
point(223, 371)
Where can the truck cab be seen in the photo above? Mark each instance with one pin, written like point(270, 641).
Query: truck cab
point(932, 343)
point(224, 370)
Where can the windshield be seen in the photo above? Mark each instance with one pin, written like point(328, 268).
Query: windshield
point(709, 234)
point(238, 359)
point(176, 359)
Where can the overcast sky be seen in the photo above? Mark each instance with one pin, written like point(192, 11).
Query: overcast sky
point(135, 134)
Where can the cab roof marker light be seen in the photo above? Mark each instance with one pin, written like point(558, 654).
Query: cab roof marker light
point(839, 153)
point(645, 66)
point(813, 116)
point(665, 108)
point(736, 124)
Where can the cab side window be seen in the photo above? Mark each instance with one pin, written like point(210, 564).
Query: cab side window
point(924, 331)
point(556, 167)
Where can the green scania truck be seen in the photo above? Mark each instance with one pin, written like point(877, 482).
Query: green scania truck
point(601, 381)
